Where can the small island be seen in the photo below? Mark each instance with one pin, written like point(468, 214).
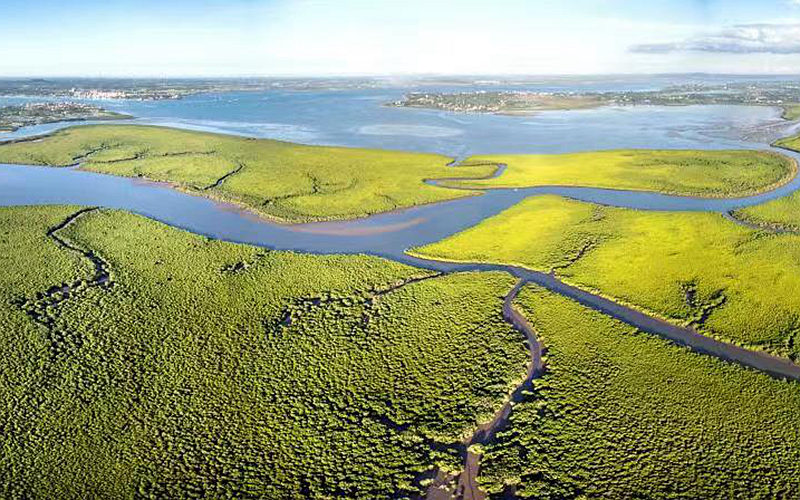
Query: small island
point(38, 113)
point(781, 94)
point(505, 102)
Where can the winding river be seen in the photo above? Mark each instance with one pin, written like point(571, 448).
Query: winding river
point(389, 235)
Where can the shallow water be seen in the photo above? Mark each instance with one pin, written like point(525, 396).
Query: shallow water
point(360, 118)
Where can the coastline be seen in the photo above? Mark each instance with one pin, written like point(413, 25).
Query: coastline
point(108, 116)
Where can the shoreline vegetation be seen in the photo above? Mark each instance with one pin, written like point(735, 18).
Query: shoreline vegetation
point(293, 183)
point(285, 182)
point(782, 214)
point(180, 364)
point(15, 117)
point(362, 377)
point(137, 363)
point(791, 112)
point(695, 173)
point(500, 103)
point(619, 413)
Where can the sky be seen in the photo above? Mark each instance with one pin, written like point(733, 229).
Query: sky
point(391, 37)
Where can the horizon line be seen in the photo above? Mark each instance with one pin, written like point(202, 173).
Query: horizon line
point(388, 75)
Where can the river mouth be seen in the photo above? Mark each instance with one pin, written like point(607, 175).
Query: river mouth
point(336, 117)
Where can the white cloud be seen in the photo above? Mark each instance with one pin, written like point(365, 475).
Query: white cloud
point(740, 39)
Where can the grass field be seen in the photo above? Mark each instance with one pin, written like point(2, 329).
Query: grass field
point(685, 172)
point(623, 414)
point(699, 269)
point(297, 183)
point(281, 180)
point(211, 369)
point(782, 212)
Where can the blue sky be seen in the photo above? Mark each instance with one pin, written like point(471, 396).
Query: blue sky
point(361, 37)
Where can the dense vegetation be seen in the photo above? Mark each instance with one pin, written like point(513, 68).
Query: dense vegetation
point(685, 172)
point(198, 368)
point(204, 368)
point(282, 180)
point(693, 268)
point(782, 213)
point(623, 414)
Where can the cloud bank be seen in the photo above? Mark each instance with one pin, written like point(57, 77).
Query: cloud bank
point(739, 39)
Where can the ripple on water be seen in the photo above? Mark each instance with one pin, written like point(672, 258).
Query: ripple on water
point(409, 130)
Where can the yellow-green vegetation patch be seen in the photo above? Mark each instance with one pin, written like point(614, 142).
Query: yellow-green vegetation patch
point(781, 212)
point(211, 369)
point(623, 414)
point(286, 181)
point(693, 268)
point(26, 251)
point(193, 170)
point(684, 172)
point(791, 111)
point(540, 233)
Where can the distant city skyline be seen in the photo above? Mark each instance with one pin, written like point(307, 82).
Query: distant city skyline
point(361, 38)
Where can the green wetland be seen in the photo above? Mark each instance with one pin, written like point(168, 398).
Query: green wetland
point(146, 361)
point(621, 414)
point(725, 173)
point(782, 213)
point(280, 180)
point(214, 369)
point(184, 366)
point(697, 269)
